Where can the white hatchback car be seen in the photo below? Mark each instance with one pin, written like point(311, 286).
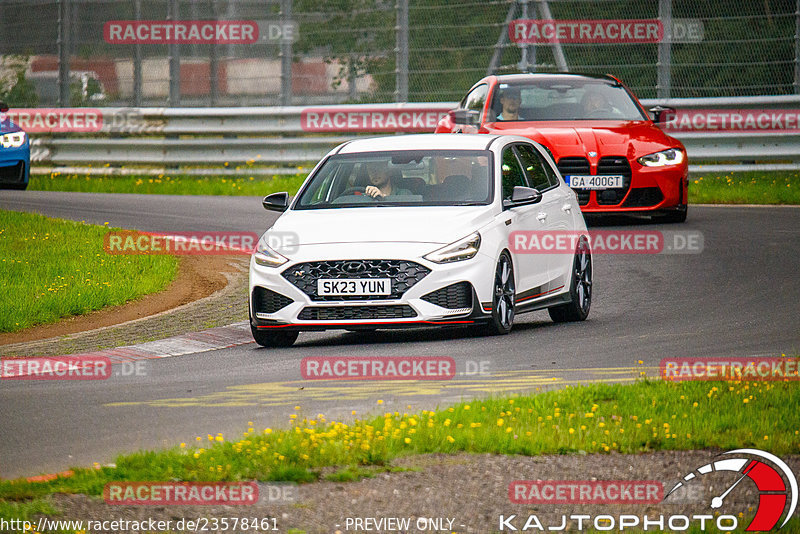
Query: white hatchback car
point(413, 231)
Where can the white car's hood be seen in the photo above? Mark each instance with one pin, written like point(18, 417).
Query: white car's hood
point(432, 224)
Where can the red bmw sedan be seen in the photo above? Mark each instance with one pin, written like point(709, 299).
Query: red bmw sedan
point(606, 145)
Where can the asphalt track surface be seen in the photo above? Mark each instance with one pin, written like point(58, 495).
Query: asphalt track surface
point(739, 297)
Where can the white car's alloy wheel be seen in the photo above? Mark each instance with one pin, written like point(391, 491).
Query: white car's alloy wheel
point(503, 296)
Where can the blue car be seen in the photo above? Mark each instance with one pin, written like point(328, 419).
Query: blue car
point(15, 153)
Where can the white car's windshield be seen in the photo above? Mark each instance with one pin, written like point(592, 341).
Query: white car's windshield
point(401, 178)
point(558, 100)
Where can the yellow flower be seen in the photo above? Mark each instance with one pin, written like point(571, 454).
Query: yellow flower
point(500, 422)
point(407, 440)
point(380, 401)
point(451, 439)
point(571, 430)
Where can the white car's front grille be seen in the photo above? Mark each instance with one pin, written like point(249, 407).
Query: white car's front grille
point(404, 274)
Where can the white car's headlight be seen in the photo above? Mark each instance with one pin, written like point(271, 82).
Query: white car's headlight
point(12, 140)
point(673, 156)
point(463, 249)
point(265, 255)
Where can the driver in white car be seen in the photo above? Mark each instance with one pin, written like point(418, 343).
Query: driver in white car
point(382, 177)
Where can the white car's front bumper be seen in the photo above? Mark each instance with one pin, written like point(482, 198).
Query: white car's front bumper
point(405, 308)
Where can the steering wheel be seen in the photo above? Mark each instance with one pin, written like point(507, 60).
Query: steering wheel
point(357, 191)
point(604, 113)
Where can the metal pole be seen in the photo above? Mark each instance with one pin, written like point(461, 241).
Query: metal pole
point(797, 47)
point(401, 52)
point(137, 60)
point(174, 61)
point(286, 56)
point(213, 62)
point(501, 41)
point(664, 84)
point(63, 52)
point(352, 76)
point(525, 62)
point(558, 51)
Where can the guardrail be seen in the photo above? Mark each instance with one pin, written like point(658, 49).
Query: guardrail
point(743, 133)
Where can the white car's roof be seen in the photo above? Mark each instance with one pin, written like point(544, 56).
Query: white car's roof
point(421, 142)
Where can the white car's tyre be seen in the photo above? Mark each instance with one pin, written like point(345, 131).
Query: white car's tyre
point(274, 339)
point(580, 288)
point(503, 297)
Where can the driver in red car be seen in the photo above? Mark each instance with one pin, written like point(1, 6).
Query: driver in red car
point(511, 100)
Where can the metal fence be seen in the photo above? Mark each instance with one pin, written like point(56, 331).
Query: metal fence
point(253, 141)
point(325, 52)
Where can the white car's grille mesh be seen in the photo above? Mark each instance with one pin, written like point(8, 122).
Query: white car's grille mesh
point(357, 313)
point(404, 274)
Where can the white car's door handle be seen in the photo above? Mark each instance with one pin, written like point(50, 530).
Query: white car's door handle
point(566, 207)
point(542, 216)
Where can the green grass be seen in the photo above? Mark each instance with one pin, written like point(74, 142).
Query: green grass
point(52, 268)
point(641, 417)
point(778, 187)
point(167, 184)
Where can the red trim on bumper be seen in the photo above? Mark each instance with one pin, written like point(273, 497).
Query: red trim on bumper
point(367, 323)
